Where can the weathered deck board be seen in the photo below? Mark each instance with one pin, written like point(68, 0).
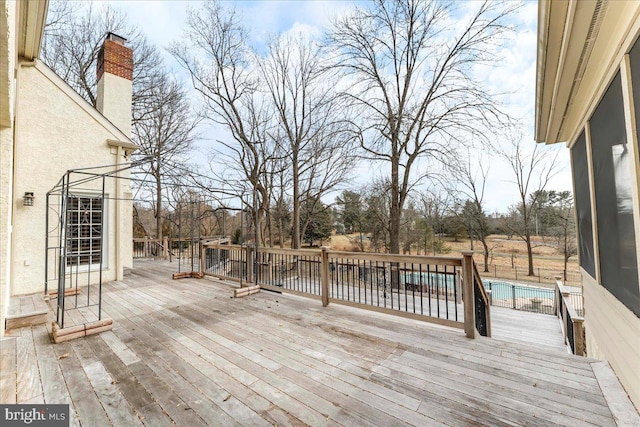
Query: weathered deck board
point(8, 370)
point(53, 383)
point(88, 408)
point(185, 353)
point(136, 395)
point(587, 406)
point(29, 385)
point(105, 388)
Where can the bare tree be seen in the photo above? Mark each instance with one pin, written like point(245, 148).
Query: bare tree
point(472, 182)
point(309, 123)
point(73, 37)
point(376, 213)
point(532, 169)
point(165, 135)
point(433, 206)
point(412, 74)
point(278, 106)
point(216, 55)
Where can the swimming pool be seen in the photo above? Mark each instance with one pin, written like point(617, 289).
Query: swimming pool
point(504, 291)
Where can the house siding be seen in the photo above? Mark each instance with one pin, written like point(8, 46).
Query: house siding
point(613, 334)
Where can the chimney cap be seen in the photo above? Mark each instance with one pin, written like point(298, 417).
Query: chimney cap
point(115, 38)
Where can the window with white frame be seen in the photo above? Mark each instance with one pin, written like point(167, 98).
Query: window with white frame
point(84, 230)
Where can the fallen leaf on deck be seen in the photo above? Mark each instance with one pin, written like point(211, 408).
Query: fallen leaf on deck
point(63, 356)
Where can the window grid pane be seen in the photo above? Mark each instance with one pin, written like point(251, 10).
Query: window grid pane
point(84, 230)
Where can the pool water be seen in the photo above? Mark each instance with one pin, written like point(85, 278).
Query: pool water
point(503, 290)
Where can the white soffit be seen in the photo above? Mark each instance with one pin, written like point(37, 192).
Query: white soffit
point(578, 47)
point(33, 15)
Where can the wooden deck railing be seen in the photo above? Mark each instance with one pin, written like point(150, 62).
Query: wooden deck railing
point(170, 247)
point(441, 290)
point(572, 323)
point(150, 248)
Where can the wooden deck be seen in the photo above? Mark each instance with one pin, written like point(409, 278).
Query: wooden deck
point(523, 327)
point(185, 353)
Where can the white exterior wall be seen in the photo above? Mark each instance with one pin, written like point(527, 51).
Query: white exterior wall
point(613, 334)
point(114, 100)
point(8, 18)
point(54, 132)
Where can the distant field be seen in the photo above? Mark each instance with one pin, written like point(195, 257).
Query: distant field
point(506, 253)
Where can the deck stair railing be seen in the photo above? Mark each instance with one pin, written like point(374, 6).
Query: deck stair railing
point(482, 302)
point(152, 248)
point(572, 323)
point(433, 289)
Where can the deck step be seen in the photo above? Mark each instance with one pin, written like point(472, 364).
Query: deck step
point(26, 310)
point(15, 321)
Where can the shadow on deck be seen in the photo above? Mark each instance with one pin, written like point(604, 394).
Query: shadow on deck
point(183, 352)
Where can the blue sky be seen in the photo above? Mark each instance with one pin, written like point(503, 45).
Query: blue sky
point(162, 22)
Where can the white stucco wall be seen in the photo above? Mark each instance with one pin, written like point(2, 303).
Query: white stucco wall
point(613, 334)
point(54, 133)
point(7, 99)
point(114, 100)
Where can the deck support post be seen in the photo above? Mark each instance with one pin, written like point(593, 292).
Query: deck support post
point(324, 276)
point(203, 265)
point(467, 294)
point(165, 247)
point(250, 264)
point(578, 336)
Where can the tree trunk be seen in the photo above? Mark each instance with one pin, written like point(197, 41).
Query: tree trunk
point(529, 253)
point(158, 205)
point(395, 208)
point(295, 220)
point(486, 254)
point(270, 230)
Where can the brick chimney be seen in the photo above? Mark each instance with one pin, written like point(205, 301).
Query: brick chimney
point(115, 75)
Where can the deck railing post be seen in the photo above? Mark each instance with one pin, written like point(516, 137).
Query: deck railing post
point(202, 258)
point(578, 336)
point(324, 275)
point(165, 247)
point(467, 294)
point(557, 295)
point(249, 265)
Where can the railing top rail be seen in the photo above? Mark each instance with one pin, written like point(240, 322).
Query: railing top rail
point(407, 259)
point(215, 241)
point(218, 246)
point(365, 256)
point(567, 301)
point(288, 251)
point(560, 285)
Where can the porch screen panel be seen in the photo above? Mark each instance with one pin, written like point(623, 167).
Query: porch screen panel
point(634, 58)
point(582, 200)
point(614, 203)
